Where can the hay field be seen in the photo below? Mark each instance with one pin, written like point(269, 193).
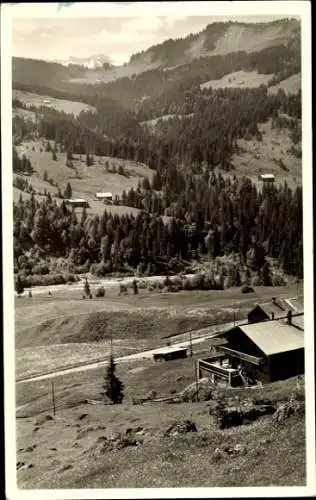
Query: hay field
point(31, 99)
point(259, 157)
point(238, 79)
point(85, 181)
point(290, 85)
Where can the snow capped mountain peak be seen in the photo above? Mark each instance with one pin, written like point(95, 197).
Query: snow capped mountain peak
point(92, 62)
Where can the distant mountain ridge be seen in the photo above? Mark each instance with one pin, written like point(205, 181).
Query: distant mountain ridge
point(91, 62)
point(217, 40)
point(220, 39)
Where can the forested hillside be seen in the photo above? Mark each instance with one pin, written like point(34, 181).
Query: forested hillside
point(211, 214)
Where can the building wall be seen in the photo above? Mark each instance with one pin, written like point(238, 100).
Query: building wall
point(257, 315)
point(286, 364)
point(238, 341)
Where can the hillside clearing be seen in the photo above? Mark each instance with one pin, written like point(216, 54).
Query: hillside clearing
point(85, 181)
point(239, 79)
point(259, 157)
point(153, 123)
point(291, 85)
point(26, 114)
point(30, 99)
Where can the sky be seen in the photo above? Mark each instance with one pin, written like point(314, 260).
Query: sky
point(118, 38)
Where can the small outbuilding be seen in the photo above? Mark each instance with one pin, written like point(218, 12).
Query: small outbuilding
point(276, 309)
point(170, 353)
point(261, 312)
point(267, 178)
point(105, 197)
point(78, 203)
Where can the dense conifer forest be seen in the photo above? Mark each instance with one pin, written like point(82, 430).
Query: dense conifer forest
point(209, 215)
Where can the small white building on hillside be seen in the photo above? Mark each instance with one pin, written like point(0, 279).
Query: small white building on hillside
point(267, 177)
point(78, 202)
point(105, 197)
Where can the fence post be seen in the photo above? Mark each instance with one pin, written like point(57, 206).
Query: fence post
point(191, 349)
point(196, 381)
point(53, 399)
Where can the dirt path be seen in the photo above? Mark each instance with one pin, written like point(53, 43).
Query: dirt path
point(198, 336)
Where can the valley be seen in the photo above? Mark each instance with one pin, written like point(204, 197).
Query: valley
point(156, 205)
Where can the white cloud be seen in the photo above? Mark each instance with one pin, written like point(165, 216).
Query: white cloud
point(141, 24)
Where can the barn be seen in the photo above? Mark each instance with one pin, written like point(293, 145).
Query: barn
point(266, 351)
point(170, 353)
point(261, 312)
point(78, 203)
point(276, 309)
point(105, 197)
point(266, 178)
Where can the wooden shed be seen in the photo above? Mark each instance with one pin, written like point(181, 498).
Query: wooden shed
point(105, 197)
point(170, 353)
point(266, 352)
point(267, 178)
point(78, 203)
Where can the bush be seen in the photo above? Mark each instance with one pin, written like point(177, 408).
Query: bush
point(99, 269)
point(247, 289)
point(100, 292)
point(186, 284)
point(278, 281)
point(47, 280)
point(41, 269)
point(123, 289)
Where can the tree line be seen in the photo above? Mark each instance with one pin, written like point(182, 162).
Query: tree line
point(208, 217)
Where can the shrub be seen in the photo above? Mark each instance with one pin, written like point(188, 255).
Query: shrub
point(99, 269)
point(278, 281)
point(123, 289)
point(47, 280)
point(247, 289)
point(100, 292)
point(41, 269)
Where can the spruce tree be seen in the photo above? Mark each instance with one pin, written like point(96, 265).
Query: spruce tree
point(68, 191)
point(113, 387)
point(19, 288)
point(87, 288)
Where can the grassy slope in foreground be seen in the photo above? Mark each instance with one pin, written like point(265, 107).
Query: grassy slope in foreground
point(67, 451)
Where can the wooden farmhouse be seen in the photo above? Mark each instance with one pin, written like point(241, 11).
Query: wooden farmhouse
point(259, 352)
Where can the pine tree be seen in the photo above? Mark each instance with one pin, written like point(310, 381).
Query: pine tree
point(135, 287)
point(266, 274)
point(19, 288)
point(68, 191)
point(113, 387)
point(87, 288)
